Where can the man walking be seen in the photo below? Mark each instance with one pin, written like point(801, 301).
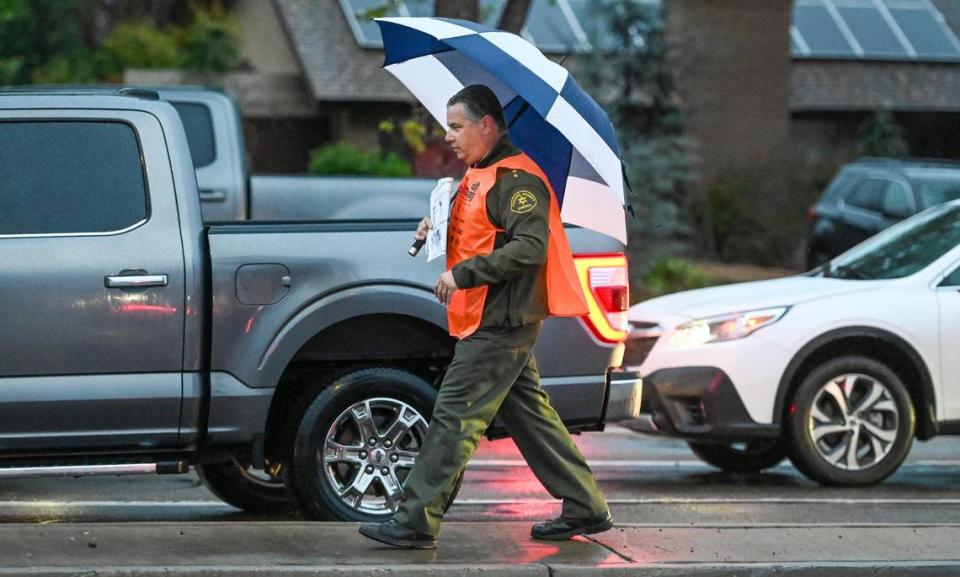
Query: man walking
point(509, 267)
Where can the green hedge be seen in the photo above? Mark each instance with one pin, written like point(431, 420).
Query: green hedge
point(346, 159)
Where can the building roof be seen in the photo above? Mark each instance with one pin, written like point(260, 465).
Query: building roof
point(861, 85)
point(336, 67)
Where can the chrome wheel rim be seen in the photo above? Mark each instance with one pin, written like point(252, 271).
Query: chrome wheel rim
point(854, 422)
point(369, 451)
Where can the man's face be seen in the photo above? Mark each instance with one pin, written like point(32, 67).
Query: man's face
point(469, 139)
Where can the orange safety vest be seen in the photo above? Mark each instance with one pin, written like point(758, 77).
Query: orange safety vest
point(470, 233)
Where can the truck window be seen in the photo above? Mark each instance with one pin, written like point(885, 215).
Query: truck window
point(199, 128)
point(62, 177)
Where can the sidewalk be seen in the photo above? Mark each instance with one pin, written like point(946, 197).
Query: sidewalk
point(476, 549)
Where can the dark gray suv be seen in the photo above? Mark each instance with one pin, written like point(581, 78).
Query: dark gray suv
point(870, 194)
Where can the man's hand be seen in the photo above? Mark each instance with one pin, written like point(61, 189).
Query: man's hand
point(445, 287)
point(423, 228)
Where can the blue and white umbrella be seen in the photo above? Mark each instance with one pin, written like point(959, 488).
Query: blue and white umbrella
point(550, 117)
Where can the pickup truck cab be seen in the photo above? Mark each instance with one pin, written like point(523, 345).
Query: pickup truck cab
point(290, 362)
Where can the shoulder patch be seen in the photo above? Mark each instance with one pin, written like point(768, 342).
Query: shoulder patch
point(523, 201)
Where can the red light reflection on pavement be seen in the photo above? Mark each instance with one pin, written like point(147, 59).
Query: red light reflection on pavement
point(535, 551)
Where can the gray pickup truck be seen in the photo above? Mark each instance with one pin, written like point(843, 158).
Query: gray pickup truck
point(294, 364)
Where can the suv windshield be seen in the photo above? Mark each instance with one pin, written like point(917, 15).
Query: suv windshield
point(903, 249)
point(934, 191)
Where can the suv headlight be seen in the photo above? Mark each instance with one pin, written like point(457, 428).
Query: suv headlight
point(725, 328)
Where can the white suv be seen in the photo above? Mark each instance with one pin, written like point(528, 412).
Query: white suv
point(839, 368)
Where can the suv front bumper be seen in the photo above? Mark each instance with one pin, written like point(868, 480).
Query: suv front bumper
point(697, 403)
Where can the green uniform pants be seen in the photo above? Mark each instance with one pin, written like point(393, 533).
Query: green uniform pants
point(494, 370)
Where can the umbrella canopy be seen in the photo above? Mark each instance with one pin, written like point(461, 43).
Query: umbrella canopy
point(549, 116)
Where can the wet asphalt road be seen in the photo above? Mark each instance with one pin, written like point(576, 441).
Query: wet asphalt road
point(647, 481)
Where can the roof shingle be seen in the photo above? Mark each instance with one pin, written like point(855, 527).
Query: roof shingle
point(337, 68)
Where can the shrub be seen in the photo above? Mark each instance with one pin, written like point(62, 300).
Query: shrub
point(11, 70)
point(78, 68)
point(211, 42)
point(346, 159)
point(881, 135)
point(672, 275)
point(138, 45)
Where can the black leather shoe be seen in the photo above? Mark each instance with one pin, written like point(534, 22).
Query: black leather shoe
point(393, 533)
point(562, 528)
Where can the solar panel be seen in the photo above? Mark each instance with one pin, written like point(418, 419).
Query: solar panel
point(820, 30)
point(358, 13)
point(552, 25)
point(925, 29)
point(420, 7)
point(872, 29)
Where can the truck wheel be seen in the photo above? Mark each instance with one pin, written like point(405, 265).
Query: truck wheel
point(746, 457)
point(851, 422)
point(355, 443)
point(240, 485)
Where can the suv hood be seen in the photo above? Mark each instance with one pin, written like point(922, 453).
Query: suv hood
point(714, 301)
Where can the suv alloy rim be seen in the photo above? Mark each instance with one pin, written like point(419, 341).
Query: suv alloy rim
point(854, 421)
point(368, 452)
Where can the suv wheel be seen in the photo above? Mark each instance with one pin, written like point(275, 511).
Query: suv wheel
point(237, 483)
point(356, 441)
point(851, 422)
point(745, 457)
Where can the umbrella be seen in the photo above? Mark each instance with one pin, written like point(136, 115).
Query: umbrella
point(549, 116)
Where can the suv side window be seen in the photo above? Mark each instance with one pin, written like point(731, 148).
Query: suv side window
point(952, 279)
point(868, 195)
point(896, 200)
point(59, 177)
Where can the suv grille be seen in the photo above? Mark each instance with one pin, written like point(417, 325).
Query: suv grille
point(691, 411)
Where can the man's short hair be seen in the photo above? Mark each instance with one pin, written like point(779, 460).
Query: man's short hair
point(478, 101)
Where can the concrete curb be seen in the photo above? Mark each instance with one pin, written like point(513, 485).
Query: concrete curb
point(288, 570)
point(499, 549)
point(818, 569)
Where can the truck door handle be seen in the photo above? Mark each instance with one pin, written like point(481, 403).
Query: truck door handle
point(135, 281)
point(213, 196)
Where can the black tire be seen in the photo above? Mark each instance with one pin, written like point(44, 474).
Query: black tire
point(820, 437)
point(745, 457)
point(252, 491)
point(323, 414)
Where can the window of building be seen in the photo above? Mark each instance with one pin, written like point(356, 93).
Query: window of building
point(63, 177)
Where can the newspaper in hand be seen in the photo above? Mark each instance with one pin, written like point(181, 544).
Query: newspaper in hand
point(439, 214)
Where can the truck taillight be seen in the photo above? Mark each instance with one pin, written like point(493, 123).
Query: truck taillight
point(604, 282)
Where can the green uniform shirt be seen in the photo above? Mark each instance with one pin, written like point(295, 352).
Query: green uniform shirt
point(514, 271)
